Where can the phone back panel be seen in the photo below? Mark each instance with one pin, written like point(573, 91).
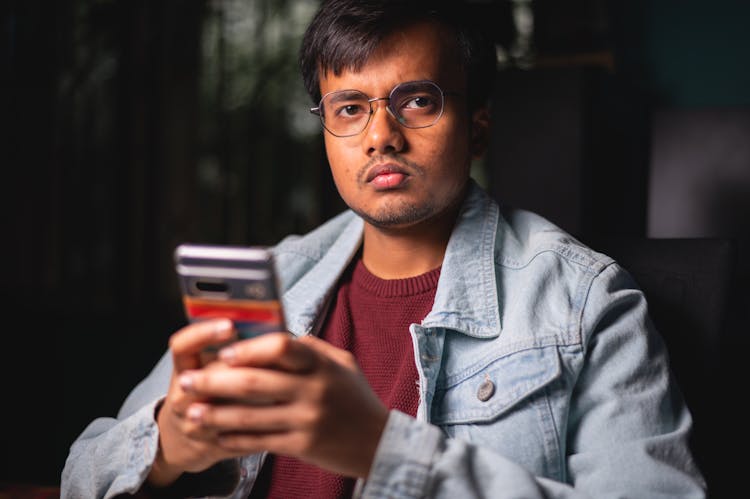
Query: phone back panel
point(238, 283)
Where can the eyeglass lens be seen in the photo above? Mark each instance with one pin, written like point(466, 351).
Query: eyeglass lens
point(416, 104)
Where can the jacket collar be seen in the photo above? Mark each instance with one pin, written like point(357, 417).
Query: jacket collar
point(308, 298)
point(466, 299)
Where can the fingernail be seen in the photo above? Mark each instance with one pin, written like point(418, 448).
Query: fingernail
point(195, 413)
point(223, 329)
point(227, 354)
point(186, 382)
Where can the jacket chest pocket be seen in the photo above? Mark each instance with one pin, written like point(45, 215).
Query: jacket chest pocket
point(504, 406)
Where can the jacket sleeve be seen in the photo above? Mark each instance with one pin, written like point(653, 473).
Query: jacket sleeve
point(626, 433)
point(113, 456)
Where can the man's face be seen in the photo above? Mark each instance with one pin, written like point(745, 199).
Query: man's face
point(393, 176)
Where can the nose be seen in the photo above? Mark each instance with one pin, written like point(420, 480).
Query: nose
point(383, 133)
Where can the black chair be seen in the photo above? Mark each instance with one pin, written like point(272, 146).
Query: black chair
point(688, 284)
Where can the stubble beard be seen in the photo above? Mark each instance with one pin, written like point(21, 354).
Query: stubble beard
point(396, 214)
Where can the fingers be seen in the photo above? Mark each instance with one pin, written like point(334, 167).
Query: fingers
point(290, 443)
point(188, 343)
point(302, 398)
point(245, 384)
point(278, 350)
point(241, 429)
point(223, 419)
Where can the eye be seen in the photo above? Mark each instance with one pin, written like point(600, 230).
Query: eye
point(419, 102)
point(349, 110)
point(345, 105)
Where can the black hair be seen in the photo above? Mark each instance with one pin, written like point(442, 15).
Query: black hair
point(344, 33)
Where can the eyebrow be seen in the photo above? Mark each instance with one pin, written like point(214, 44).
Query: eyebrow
point(410, 86)
point(345, 95)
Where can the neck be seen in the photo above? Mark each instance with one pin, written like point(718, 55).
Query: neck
point(397, 253)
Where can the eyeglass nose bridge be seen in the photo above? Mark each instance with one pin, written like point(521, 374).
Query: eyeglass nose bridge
point(388, 108)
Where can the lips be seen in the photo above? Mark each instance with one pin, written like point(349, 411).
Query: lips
point(386, 176)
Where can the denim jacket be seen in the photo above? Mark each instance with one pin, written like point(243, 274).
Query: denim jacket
point(540, 375)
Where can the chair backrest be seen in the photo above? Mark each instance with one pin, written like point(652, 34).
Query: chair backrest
point(688, 284)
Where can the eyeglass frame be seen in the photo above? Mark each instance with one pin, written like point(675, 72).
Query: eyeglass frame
point(443, 94)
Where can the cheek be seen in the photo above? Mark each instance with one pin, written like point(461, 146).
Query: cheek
point(334, 154)
point(340, 162)
point(451, 151)
point(455, 136)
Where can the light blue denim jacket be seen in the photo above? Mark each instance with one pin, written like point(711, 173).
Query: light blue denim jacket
point(540, 375)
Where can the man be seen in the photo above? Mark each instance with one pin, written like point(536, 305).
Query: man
point(442, 347)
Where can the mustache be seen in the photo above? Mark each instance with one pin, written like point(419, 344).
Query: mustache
point(410, 166)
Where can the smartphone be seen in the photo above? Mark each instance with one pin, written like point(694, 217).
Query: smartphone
point(233, 282)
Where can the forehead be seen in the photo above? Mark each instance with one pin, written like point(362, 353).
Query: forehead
point(423, 51)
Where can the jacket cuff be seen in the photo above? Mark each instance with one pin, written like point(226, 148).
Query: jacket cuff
point(403, 458)
point(143, 436)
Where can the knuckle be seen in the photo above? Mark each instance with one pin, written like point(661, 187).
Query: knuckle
point(250, 384)
point(322, 390)
point(347, 358)
point(284, 344)
point(312, 418)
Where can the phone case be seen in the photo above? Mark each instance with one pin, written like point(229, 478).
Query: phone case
point(238, 283)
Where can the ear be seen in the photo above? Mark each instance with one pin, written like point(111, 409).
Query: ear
point(480, 132)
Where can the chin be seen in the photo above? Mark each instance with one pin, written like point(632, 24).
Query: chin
point(405, 216)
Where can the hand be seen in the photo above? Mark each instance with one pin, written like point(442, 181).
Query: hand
point(323, 410)
point(183, 445)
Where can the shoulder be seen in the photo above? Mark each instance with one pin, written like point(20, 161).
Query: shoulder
point(551, 280)
point(315, 243)
point(523, 237)
point(296, 255)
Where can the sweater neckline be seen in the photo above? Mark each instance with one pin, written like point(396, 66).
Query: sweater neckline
point(389, 288)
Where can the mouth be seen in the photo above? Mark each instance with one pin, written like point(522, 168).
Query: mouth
point(387, 176)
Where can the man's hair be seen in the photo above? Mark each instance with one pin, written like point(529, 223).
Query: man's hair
point(344, 34)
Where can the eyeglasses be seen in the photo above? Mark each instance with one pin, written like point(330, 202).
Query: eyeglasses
point(414, 104)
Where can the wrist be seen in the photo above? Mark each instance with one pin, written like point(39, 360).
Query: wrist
point(162, 474)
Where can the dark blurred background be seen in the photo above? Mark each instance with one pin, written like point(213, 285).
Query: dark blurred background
point(134, 125)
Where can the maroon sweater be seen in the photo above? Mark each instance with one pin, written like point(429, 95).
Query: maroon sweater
point(370, 317)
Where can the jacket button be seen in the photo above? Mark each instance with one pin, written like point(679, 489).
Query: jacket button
point(486, 390)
